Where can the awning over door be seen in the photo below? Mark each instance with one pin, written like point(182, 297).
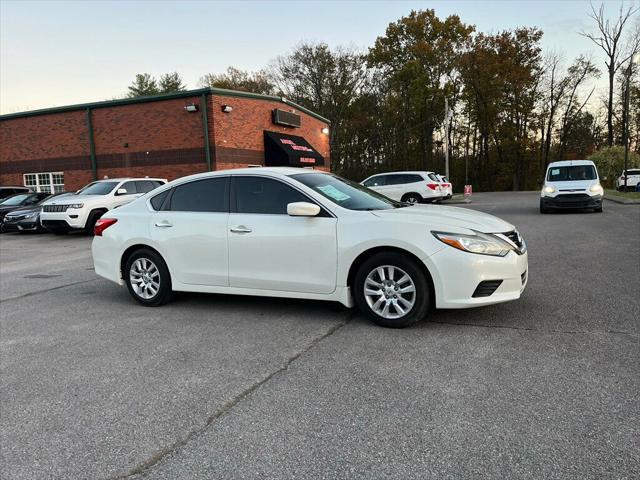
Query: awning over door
point(282, 150)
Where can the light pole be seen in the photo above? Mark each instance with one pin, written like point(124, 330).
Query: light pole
point(625, 133)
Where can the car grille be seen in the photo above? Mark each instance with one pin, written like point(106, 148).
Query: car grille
point(14, 218)
point(572, 199)
point(574, 190)
point(515, 237)
point(523, 277)
point(486, 288)
point(55, 208)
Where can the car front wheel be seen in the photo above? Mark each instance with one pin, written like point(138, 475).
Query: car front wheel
point(392, 290)
point(147, 278)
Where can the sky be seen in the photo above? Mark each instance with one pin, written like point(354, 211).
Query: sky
point(55, 53)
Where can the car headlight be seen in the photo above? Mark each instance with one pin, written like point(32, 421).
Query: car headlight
point(597, 188)
point(31, 215)
point(480, 243)
point(549, 189)
point(76, 205)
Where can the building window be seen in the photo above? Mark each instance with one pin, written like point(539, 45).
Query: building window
point(51, 182)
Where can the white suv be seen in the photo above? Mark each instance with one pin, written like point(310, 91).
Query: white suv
point(81, 210)
point(446, 186)
point(410, 187)
point(571, 184)
point(633, 175)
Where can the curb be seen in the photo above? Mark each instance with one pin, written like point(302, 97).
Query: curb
point(623, 201)
point(455, 200)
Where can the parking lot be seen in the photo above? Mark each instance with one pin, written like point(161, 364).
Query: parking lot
point(95, 386)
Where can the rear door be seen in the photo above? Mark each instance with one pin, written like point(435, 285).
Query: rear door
point(190, 230)
point(270, 250)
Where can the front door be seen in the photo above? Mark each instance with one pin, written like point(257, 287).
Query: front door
point(190, 231)
point(270, 250)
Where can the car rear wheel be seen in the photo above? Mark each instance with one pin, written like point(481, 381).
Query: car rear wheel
point(392, 290)
point(411, 198)
point(147, 278)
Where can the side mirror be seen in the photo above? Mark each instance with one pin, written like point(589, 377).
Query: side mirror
point(303, 209)
point(121, 191)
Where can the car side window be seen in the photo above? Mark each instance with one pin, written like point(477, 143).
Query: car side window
point(144, 186)
point(376, 181)
point(158, 200)
point(208, 195)
point(264, 195)
point(395, 179)
point(130, 187)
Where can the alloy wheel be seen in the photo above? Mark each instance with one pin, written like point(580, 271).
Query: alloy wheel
point(145, 278)
point(389, 291)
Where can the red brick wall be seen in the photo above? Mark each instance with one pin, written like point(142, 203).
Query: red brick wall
point(239, 137)
point(44, 144)
point(163, 140)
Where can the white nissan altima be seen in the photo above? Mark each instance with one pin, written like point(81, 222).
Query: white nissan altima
point(298, 233)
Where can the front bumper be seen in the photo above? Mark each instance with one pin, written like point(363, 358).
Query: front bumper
point(457, 276)
point(31, 225)
point(68, 219)
point(572, 200)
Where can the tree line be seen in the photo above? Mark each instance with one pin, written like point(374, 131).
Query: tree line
point(514, 107)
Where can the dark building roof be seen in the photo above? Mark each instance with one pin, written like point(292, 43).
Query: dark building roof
point(166, 96)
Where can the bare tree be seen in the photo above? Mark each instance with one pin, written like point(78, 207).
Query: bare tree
point(609, 39)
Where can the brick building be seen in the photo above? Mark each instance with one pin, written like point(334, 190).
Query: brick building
point(166, 136)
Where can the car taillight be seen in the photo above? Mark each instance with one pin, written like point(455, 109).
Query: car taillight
point(102, 224)
point(432, 186)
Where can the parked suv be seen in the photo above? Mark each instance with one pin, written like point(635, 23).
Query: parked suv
point(633, 179)
point(446, 186)
point(571, 184)
point(81, 210)
point(410, 187)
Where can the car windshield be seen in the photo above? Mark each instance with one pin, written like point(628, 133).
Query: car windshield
point(345, 193)
point(98, 188)
point(571, 173)
point(15, 200)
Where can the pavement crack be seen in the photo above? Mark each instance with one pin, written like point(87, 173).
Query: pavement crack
point(38, 292)
point(529, 329)
point(230, 404)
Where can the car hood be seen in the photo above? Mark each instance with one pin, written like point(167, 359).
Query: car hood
point(9, 208)
point(578, 185)
point(25, 210)
point(441, 217)
point(71, 199)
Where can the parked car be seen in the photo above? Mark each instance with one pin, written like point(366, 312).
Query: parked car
point(633, 179)
point(87, 205)
point(446, 186)
point(410, 187)
point(9, 191)
point(297, 233)
point(20, 200)
point(27, 219)
point(571, 184)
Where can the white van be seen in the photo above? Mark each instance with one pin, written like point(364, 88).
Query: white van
point(571, 184)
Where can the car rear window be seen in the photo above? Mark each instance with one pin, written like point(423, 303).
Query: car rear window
point(433, 177)
point(158, 200)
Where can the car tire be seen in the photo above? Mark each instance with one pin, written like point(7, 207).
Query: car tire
point(381, 307)
point(91, 221)
point(154, 287)
point(598, 210)
point(411, 198)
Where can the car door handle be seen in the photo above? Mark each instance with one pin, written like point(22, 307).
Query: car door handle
point(164, 224)
point(241, 229)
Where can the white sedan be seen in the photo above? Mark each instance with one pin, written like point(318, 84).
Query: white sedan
point(298, 233)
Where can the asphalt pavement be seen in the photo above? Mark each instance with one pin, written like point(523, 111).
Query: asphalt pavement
point(94, 386)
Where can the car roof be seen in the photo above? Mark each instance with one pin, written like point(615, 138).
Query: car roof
point(269, 171)
point(122, 179)
point(568, 163)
